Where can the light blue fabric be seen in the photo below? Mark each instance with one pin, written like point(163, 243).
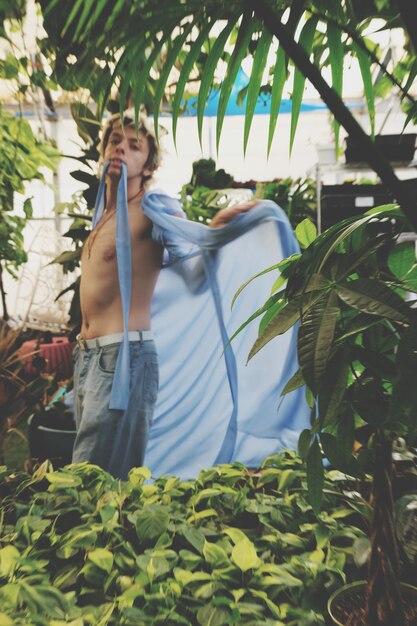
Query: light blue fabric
point(211, 407)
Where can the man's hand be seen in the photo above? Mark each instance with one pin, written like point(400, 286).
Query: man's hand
point(226, 215)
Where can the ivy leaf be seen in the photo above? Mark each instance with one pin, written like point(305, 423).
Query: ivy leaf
point(244, 555)
point(103, 558)
point(151, 522)
point(215, 555)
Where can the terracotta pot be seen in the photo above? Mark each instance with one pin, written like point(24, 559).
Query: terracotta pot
point(354, 595)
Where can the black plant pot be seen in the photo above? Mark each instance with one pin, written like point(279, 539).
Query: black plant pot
point(397, 148)
point(50, 443)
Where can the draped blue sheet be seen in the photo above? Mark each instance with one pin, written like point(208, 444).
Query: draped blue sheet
point(212, 408)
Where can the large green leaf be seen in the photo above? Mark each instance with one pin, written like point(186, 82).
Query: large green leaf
point(333, 387)
point(169, 63)
point(139, 84)
point(336, 56)
point(75, 9)
point(295, 382)
point(248, 27)
point(275, 302)
point(375, 298)
point(401, 259)
point(244, 555)
point(315, 476)
point(209, 68)
point(286, 318)
point(151, 522)
point(306, 40)
point(365, 67)
point(279, 78)
point(315, 338)
point(259, 62)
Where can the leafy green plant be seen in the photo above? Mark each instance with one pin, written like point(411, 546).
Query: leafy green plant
point(297, 197)
point(357, 344)
point(231, 547)
point(21, 158)
point(81, 207)
point(307, 35)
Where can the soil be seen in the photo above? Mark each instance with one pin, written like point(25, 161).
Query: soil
point(350, 610)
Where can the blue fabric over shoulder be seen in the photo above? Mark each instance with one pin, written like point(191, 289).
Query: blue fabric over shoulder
point(212, 407)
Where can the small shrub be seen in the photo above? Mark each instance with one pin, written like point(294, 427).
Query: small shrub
point(231, 547)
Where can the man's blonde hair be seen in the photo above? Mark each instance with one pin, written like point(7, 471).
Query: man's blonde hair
point(145, 125)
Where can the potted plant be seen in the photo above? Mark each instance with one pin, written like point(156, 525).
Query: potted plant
point(357, 348)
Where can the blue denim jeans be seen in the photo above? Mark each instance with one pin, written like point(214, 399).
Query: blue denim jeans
point(113, 439)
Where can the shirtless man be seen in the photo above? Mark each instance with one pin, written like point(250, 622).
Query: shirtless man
point(102, 319)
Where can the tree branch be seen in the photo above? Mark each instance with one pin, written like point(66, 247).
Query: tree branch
point(336, 105)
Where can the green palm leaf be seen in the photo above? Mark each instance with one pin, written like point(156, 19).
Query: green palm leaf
point(185, 72)
point(168, 65)
point(306, 40)
point(336, 56)
point(365, 68)
point(315, 338)
point(259, 62)
point(280, 76)
point(211, 64)
point(75, 9)
point(248, 26)
point(140, 84)
point(127, 75)
point(375, 298)
point(99, 7)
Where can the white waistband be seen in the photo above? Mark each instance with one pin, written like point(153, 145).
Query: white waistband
point(106, 340)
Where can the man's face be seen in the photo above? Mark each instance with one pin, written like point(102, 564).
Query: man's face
point(124, 147)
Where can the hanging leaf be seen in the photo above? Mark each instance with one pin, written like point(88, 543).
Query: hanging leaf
point(246, 283)
point(279, 78)
point(315, 476)
point(248, 26)
point(286, 318)
point(296, 381)
point(192, 56)
point(169, 63)
point(277, 299)
point(365, 68)
point(139, 85)
point(315, 338)
point(336, 56)
point(306, 41)
point(259, 62)
point(333, 388)
point(375, 298)
point(401, 259)
point(209, 68)
point(75, 9)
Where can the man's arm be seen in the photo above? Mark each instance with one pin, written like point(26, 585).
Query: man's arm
point(224, 216)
